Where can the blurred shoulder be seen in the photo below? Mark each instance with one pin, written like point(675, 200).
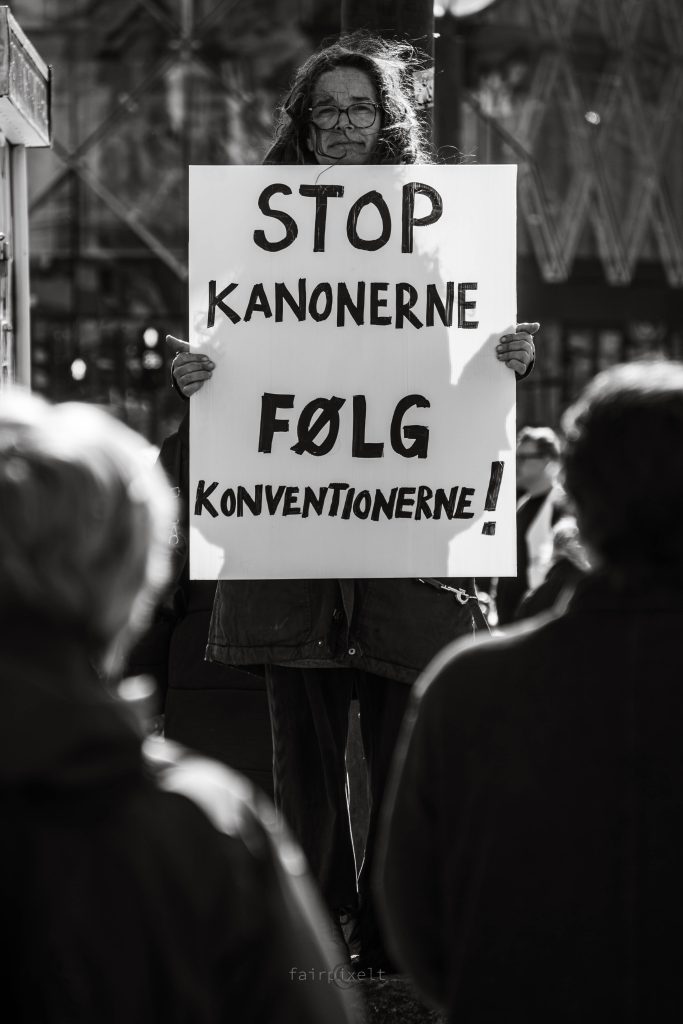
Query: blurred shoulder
point(227, 799)
point(469, 669)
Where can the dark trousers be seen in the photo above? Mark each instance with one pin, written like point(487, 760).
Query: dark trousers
point(309, 711)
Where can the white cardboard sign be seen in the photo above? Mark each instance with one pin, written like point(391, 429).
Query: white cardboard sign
point(358, 423)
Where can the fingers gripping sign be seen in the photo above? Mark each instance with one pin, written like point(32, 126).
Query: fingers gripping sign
point(189, 369)
point(517, 350)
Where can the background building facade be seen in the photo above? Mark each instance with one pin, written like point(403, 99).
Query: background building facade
point(584, 97)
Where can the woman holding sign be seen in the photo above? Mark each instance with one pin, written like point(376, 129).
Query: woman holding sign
point(324, 640)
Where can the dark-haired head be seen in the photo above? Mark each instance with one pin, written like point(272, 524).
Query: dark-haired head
point(623, 466)
point(390, 66)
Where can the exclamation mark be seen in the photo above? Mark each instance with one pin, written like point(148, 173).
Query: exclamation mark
point(489, 528)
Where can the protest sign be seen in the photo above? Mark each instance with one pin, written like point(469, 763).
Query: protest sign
point(358, 423)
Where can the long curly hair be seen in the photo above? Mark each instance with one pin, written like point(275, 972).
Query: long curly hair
point(390, 66)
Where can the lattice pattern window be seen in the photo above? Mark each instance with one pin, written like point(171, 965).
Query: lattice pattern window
point(586, 98)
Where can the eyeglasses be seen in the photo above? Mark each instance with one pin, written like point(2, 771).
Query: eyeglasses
point(360, 115)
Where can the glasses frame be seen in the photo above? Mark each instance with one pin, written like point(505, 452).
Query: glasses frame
point(345, 110)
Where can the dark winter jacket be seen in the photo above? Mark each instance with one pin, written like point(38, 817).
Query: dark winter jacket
point(391, 627)
point(136, 888)
point(541, 793)
point(510, 590)
point(554, 592)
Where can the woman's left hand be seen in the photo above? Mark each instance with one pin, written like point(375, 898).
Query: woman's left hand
point(517, 350)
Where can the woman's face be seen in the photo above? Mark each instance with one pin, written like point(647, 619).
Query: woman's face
point(344, 143)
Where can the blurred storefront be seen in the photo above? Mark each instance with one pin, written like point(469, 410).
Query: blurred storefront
point(583, 96)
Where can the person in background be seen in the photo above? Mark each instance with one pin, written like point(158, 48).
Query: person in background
point(139, 882)
point(323, 640)
point(538, 509)
point(568, 564)
point(539, 782)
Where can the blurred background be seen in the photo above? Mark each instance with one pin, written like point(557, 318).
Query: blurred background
point(585, 96)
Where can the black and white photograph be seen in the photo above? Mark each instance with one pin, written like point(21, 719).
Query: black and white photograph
point(341, 511)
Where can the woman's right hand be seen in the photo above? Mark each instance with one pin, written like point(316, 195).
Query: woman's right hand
point(189, 369)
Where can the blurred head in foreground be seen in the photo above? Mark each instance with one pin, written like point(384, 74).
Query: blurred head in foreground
point(84, 521)
point(623, 468)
